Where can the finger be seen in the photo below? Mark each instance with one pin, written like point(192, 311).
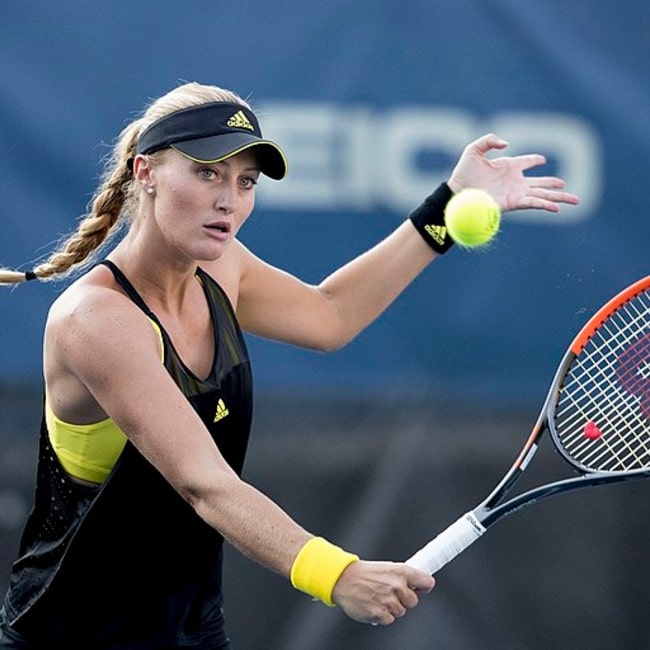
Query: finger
point(423, 588)
point(553, 195)
point(389, 613)
point(488, 142)
point(420, 581)
point(536, 203)
point(527, 161)
point(544, 181)
point(532, 203)
point(382, 619)
point(409, 598)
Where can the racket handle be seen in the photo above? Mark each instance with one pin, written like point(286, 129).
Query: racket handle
point(448, 544)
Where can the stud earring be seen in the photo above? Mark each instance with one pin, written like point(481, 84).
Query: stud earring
point(150, 190)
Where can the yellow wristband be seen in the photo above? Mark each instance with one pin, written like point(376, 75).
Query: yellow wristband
point(317, 568)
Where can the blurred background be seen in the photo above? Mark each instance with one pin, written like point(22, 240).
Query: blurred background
point(384, 443)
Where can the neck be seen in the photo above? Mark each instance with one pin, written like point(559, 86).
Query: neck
point(163, 283)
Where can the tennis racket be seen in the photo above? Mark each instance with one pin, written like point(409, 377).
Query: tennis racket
point(597, 413)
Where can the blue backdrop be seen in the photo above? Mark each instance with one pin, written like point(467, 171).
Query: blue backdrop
point(373, 102)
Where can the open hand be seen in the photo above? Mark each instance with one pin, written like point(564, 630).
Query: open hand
point(503, 178)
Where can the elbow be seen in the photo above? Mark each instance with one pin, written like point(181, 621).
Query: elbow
point(208, 505)
point(205, 494)
point(196, 497)
point(333, 325)
point(191, 495)
point(331, 343)
point(339, 344)
point(333, 334)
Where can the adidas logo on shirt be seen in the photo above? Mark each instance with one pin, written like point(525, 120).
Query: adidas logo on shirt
point(222, 411)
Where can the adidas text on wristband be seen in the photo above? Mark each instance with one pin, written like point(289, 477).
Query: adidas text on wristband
point(429, 219)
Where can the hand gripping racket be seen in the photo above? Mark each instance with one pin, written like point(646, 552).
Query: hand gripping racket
point(597, 412)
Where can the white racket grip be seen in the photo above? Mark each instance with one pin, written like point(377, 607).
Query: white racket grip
point(448, 544)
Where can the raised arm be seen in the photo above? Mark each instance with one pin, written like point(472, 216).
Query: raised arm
point(276, 305)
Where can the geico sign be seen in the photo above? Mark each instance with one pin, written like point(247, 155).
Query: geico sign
point(355, 158)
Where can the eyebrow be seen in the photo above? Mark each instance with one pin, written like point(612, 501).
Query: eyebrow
point(226, 162)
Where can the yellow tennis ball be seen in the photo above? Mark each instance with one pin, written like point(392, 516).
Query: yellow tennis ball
point(472, 218)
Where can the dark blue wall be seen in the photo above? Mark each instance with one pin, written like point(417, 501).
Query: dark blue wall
point(373, 101)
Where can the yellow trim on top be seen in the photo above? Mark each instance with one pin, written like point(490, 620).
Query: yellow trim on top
point(160, 336)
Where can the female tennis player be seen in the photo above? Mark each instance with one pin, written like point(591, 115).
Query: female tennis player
point(148, 397)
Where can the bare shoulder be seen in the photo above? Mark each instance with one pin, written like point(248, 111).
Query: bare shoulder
point(94, 334)
point(90, 316)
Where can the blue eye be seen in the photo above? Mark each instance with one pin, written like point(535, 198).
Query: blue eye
point(249, 182)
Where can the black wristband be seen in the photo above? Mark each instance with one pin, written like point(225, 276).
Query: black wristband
point(429, 219)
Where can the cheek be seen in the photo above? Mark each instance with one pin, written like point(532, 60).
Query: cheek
point(176, 206)
point(248, 204)
point(181, 198)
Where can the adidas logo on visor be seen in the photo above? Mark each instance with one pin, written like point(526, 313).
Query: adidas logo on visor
point(240, 121)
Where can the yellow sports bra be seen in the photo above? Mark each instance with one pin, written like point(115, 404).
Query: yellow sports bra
point(88, 451)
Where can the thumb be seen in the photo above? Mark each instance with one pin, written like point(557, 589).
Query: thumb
point(489, 141)
point(419, 581)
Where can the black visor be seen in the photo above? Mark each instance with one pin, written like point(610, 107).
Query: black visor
point(213, 132)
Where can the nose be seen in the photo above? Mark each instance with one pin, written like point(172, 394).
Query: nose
point(227, 198)
point(228, 194)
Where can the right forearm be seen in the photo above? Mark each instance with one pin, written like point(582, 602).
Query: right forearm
point(261, 530)
point(376, 592)
point(252, 523)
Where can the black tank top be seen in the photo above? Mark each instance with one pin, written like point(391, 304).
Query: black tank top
point(129, 564)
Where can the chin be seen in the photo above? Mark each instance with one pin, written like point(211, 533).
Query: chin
point(211, 253)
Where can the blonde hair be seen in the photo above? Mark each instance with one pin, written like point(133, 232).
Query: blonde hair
point(116, 197)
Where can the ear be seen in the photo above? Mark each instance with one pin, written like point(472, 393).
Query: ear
point(142, 169)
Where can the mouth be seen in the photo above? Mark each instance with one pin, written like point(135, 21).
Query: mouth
point(222, 227)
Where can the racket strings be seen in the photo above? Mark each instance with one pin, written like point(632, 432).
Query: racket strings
point(612, 409)
point(615, 411)
point(602, 413)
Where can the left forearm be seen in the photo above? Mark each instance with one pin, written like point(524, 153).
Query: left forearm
point(362, 289)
